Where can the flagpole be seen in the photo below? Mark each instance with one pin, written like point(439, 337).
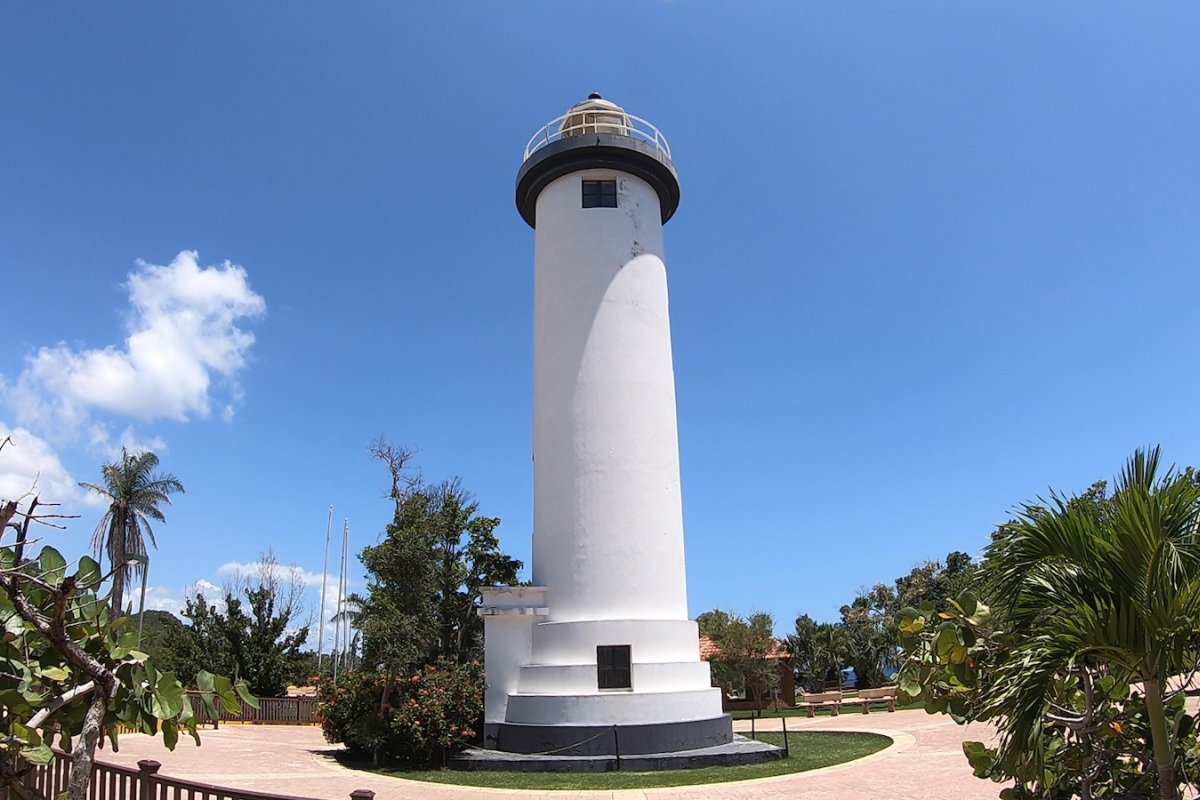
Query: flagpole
point(324, 583)
point(337, 618)
point(345, 587)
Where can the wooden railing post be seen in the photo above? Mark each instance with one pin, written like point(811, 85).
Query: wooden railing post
point(362, 794)
point(146, 772)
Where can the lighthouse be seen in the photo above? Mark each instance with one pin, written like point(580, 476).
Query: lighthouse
point(599, 655)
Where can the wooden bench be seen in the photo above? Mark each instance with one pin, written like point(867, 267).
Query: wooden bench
point(814, 700)
point(884, 694)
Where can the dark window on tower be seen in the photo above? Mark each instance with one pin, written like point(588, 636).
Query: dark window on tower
point(612, 667)
point(599, 194)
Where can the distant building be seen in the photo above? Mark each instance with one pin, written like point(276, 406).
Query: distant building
point(711, 651)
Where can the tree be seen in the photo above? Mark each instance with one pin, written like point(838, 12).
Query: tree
point(70, 669)
point(748, 653)
point(935, 581)
point(831, 650)
point(258, 635)
point(348, 614)
point(467, 557)
point(800, 645)
point(871, 646)
point(424, 577)
point(713, 623)
point(417, 691)
point(1094, 605)
point(135, 493)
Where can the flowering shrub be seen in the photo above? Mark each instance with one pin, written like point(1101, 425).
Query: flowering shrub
point(417, 718)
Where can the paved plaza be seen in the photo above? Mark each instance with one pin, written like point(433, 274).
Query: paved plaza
point(925, 762)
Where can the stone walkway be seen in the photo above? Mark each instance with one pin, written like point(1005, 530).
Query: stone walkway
point(925, 762)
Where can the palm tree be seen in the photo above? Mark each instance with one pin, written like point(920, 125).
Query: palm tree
point(135, 493)
point(349, 614)
point(831, 647)
point(1113, 584)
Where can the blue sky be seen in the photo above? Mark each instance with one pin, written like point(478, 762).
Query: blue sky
point(930, 260)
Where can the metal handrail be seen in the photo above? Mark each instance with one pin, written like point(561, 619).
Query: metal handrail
point(600, 120)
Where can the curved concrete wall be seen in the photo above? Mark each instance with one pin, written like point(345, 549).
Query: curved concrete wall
point(663, 676)
point(613, 708)
point(608, 519)
point(651, 640)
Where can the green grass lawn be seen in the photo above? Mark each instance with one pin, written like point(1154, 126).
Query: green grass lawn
point(810, 750)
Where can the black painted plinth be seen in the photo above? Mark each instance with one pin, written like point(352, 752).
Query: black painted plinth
point(734, 753)
point(608, 740)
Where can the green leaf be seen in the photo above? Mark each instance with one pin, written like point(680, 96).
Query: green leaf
point(168, 697)
point(14, 626)
point(42, 754)
point(210, 708)
point(191, 729)
point(54, 673)
point(244, 693)
point(88, 575)
point(14, 702)
point(225, 693)
point(186, 713)
point(204, 681)
point(52, 565)
point(981, 616)
point(27, 735)
point(980, 758)
point(170, 732)
point(968, 601)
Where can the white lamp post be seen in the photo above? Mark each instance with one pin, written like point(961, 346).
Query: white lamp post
point(144, 560)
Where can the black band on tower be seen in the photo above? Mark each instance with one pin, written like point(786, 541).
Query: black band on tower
point(596, 151)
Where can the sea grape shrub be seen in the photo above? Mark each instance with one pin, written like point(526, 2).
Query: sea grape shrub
point(1094, 739)
point(418, 718)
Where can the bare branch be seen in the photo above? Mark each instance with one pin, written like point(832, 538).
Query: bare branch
point(396, 459)
point(66, 697)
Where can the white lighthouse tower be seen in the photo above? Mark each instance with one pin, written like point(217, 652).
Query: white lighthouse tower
point(599, 655)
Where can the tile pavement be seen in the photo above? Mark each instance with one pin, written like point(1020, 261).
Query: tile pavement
point(925, 762)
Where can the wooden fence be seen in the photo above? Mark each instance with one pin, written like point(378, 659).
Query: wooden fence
point(270, 711)
point(111, 782)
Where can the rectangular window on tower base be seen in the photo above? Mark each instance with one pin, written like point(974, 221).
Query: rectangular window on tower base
point(612, 667)
point(599, 194)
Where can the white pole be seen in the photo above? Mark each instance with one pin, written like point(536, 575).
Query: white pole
point(345, 587)
point(324, 583)
point(142, 604)
point(341, 598)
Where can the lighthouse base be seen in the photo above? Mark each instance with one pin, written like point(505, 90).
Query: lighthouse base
point(608, 740)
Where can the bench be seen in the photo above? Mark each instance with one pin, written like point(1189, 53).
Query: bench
point(814, 700)
point(884, 694)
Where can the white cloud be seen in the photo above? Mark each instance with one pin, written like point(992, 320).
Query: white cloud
point(168, 600)
point(160, 598)
point(311, 580)
point(183, 339)
point(29, 466)
point(232, 569)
